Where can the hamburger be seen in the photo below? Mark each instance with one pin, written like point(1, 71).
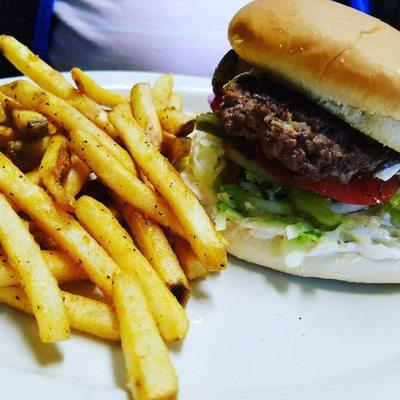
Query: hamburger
point(298, 161)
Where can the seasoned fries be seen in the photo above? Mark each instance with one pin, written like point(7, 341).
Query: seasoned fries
point(191, 215)
point(33, 67)
point(176, 101)
point(77, 176)
point(49, 79)
point(175, 147)
point(62, 228)
point(61, 266)
point(93, 317)
point(41, 238)
point(55, 165)
point(161, 91)
point(154, 245)
point(40, 286)
point(91, 89)
point(151, 375)
point(64, 114)
point(189, 262)
point(33, 176)
point(92, 111)
point(63, 221)
point(175, 122)
point(122, 181)
point(3, 115)
point(86, 315)
point(99, 221)
point(145, 113)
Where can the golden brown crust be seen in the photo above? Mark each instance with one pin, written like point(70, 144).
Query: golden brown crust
point(328, 51)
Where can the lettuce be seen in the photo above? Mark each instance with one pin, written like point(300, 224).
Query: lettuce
point(206, 161)
point(317, 207)
point(269, 209)
point(393, 208)
point(246, 198)
point(253, 196)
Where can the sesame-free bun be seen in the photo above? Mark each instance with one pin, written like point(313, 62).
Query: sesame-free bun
point(346, 61)
point(347, 266)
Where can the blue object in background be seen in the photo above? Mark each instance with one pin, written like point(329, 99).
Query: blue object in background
point(41, 36)
point(362, 5)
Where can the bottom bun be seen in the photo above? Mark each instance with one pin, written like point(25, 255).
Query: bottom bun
point(343, 266)
point(350, 267)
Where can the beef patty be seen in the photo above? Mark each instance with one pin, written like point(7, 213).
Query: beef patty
point(299, 134)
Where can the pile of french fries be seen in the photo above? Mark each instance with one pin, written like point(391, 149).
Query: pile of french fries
point(88, 191)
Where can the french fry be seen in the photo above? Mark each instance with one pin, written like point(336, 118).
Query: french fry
point(188, 261)
point(33, 176)
point(196, 224)
point(174, 147)
point(8, 276)
point(161, 91)
point(155, 247)
point(30, 124)
point(150, 373)
point(176, 101)
point(3, 115)
point(86, 315)
point(9, 103)
point(42, 239)
point(122, 181)
point(86, 85)
point(92, 111)
point(45, 76)
point(7, 134)
point(77, 176)
point(59, 225)
point(54, 167)
point(101, 224)
point(39, 284)
point(33, 67)
point(93, 317)
point(176, 122)
point(61, 266)
point(64, 114)
point(145, 113)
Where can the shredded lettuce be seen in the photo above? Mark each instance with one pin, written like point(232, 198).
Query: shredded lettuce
point(206, 161)
point(268, 209)
point(253, 196)
point(393, 208)
point(248, 199)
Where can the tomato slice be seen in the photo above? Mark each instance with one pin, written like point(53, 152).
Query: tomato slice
point(361, 190)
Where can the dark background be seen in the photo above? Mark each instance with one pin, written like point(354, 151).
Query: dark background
point(18, 18)
point(386, 10)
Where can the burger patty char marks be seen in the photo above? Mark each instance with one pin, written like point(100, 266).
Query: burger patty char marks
point(299, 134)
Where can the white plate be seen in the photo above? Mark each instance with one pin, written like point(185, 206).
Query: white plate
point(255, 333)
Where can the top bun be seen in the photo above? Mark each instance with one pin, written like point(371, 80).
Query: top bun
point(346, 61)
